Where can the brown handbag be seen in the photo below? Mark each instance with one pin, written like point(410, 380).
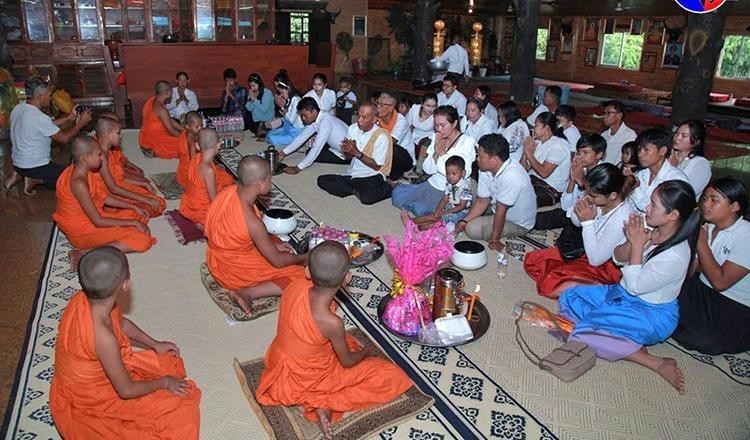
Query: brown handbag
point(567, 362)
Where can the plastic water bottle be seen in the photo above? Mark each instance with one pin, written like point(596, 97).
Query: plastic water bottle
point(502, 264)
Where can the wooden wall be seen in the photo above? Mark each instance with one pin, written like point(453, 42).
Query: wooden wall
point(205, 63)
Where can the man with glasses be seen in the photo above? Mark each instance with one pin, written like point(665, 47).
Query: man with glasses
point(395, 123)
point(31, 134)
point(451, 96)
point(617, 133)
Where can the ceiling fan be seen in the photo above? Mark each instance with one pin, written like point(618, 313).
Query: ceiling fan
point(620, 8)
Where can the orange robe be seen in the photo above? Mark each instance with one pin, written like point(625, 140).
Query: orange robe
point(115, 160)
point(154, 136)
point(195, 201)
point(99, 191)
point(79, 229)
point(84, 403)
point(301, 367)
point(183, 155)
point(231, 255)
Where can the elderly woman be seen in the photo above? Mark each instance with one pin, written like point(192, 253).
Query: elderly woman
point(687, 154)
point(447, 141)
point(475, 123)
point(513, 128)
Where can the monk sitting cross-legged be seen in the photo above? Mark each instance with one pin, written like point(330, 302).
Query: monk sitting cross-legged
point(241, 254)
point(312, 362)
point(81, 200)
point(131, 169)
point(187, 146)
point(204, 180)
point(102, 388)
point(108, 134)
point(159, 132)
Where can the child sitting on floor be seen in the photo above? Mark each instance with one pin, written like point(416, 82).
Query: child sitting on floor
point(455, 203)
point(312, 362)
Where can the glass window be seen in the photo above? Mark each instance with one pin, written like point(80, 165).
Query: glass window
point(623, 50)
point(204, 17)
point(136, 20)
point(113, 26)
point(245, 16)
point(88, 20)
point(36, 20)
point(11, 20)
point(541, 43)
point(159, 19)
point(299, 28)
point(64, 20)
point(734, 62)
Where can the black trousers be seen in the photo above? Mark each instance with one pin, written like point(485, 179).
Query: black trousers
point(326, 156)
point(710, 322)
point(46, 173)
point(401, 162)
point(369, 189)
point(552, 219)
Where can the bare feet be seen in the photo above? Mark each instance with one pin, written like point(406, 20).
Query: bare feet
point(11, 180)
point(29, 184)
point(242, 302)
point(325, 422)
point(672, 374)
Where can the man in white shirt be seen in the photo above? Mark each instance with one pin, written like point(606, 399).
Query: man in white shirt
point(183, 99)
point(395, 123)
point(550, 102)
point(457, 58)
point(329, 131)
point(617, 133)
point(504, 184)
point(654, 147)
point(31, 135)
point(370, 148)
point(451, 96)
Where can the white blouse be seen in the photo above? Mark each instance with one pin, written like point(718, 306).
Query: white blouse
point(515, 134)
point(292, 115)
point(731, 244)
point(327, 102)
point(554, 150)
point(659, 279)
point(602, 234)
point(463, 147)
point(476, 129)
point(698, 171)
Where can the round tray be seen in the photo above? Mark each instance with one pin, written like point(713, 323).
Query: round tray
point(364, 260)
point(479, 324)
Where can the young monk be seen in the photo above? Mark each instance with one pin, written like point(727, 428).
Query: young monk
point(312, 362)
point(101, 387)
point(188, 145)
point(159, 132)
point(108, 134)
point(80, 210)
point(241, 254)
point(205, 179)
point(131, 169)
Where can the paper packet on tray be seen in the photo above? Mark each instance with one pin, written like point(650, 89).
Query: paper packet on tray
point(449, 330)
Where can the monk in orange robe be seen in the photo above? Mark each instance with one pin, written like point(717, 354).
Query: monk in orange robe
point(203, 179)
point(187, 146)
point(241, 254)
point(131, 169)
point(80, 212)
point(102, 389)
point(312, 362)
point(108, 135)
point(159, 132)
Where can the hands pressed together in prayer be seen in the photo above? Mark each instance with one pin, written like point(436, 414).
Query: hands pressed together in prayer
point(349, 147)
point(636, 232)
point(529, 146)
point(584, 209)
point(577, 172)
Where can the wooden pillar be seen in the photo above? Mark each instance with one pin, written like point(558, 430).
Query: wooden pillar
point(524, 48)
point(425, 13)
point(6, 59)
point(703, 43)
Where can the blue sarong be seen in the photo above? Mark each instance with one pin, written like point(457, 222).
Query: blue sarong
point(283, 135)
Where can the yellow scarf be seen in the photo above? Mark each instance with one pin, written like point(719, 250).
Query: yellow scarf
point(370, 148)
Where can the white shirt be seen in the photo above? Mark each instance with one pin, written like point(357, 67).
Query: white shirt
point(457, 58)
point(491, 112)
point(30, 136)
point(419, 129)
point(327, 102)
point(535, 114)
point(292, 115)
point(349, 96)
point(330, 130)
point(457, 100)
point(400, 131)
point(463, 147)
point(572, 134)
point(698, 171)
point(554, 150)
point(515, 134)
point(512, 187)
point(357, 169)
point(602, 234)
point(177, 110)
point(731, 244)
point(568, 199)
point(460, 192)
point(476, 129)
point(615, 142)
point(641, 195)
point(659, 279)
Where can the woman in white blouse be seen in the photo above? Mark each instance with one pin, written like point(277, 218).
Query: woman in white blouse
point(687, 154)
point(619, 320)
point(284, 129)
point(421, 199)
point(325, 97)
point(513, 128)
point(422, 125)
point(601, 214)
point(546, 156)
point(715, 301)
point(475, 123)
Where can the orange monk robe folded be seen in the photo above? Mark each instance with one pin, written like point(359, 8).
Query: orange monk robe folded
point(183, 155)
point(231, 255)
point(77, 226)
point(195, 201)
point(301, 367)
point(84, 403)
point(117, 170)
point(154, 136)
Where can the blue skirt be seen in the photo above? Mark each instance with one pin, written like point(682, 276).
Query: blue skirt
point(283, 135)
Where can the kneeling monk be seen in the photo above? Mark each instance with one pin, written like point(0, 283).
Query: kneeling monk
point(205, 179)
point(160, 134)
point(81, 200)
point(241, 254)
point(188, 145)
point(101, 387)
point(312, 362)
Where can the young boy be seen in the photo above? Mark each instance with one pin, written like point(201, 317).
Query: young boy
point(312, 362)
point(188, 145)
point(566, 116)
point(455, 203)
point(345, 100)
point(654, 147)
point(102, 388)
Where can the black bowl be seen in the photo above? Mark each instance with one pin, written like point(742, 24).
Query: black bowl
point(279, 213)
point(469, 247)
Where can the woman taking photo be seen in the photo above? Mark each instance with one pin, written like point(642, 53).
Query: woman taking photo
point(687, 154)
point(513, 128)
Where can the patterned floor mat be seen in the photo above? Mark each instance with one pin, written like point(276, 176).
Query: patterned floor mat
point(167, 184)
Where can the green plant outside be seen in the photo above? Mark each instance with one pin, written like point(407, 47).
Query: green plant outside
point(735, 63)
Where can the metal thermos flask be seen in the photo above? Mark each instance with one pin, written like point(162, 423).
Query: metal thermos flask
point(448, 284)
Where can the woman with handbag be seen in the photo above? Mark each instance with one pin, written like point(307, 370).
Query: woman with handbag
point(586, 259)
point(619, 320)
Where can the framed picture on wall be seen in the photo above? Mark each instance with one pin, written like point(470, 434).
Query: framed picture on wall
point(655, 31)
point(567, 43)
point(637, 28)
point(590, 58)
point(648, 61)
point(359, 26)
point(672, 56)
point(591, 29)
point(551, 54)
point(510, 27)
point(508, 54)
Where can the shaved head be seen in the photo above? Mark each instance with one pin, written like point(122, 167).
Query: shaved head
point(102, 272)
point(328, 263)
point(162, 87)
point(192, 117)
point(207, 138)
point(111, 115)
point(82, 145)
point(105, 125)
point(252, 169)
